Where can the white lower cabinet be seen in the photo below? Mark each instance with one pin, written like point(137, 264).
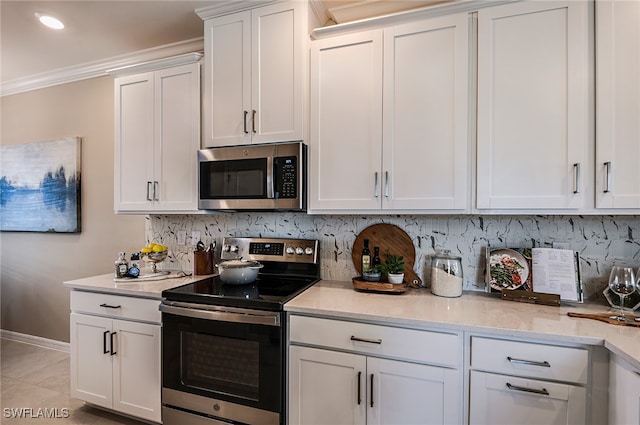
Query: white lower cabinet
point(115, 362)
point(327, 386)
point(514, 382)
point(624, 393)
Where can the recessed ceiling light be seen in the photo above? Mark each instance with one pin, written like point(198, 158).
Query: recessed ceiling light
point(49, 21)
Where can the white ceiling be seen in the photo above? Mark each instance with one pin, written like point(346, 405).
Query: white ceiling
point(100, 29)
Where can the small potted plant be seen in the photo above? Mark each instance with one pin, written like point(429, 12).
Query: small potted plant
point(373, 274)
point(393, 267)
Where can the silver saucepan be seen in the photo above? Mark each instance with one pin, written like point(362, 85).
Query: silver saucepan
point(239, 272)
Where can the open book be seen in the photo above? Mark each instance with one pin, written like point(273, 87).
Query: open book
point(540, 270)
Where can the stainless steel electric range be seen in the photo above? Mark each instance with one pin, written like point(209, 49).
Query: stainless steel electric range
point(223, 346)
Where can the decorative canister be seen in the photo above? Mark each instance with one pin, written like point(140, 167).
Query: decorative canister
point(446, 274)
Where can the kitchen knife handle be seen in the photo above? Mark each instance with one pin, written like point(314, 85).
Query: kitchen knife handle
point(607, 178)
point(113, 353)
point(576, 175)
point(149, 191)
point(527, 390)
point(359, 388)
point(104, 342)
point(375, 184)
point(253, 121)
point(244, 122)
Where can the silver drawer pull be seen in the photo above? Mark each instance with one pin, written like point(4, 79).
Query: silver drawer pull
point(529, 362)
point(370, 341)
point(527, 390)
point(110, 306)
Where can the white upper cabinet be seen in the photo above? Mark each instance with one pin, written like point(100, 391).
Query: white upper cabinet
point(618, 104)
point(345, 146)
point(389, 118)
point(157, 134)
point(254, 74)
point(533, 106)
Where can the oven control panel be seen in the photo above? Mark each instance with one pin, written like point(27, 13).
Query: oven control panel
point(271, 249)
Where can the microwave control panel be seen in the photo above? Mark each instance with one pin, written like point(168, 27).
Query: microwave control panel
point(286, 171)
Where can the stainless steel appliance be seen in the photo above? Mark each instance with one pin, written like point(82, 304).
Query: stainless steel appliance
point(253, 177)
point(223, 346)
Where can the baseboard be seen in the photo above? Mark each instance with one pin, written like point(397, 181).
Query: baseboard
point(35, 340)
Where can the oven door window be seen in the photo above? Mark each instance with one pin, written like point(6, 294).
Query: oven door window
point(224, 365)
point(236, 362)
point(234, 179)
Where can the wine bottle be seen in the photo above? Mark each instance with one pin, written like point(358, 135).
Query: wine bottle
point(375, 261)
point(366, 257)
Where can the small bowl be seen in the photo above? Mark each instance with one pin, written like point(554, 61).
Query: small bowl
point(371, 276)
point(153, 258)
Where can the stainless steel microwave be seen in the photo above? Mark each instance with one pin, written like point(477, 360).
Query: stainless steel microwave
point(253, 177)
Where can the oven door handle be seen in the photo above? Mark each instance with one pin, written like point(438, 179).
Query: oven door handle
point(221, 314)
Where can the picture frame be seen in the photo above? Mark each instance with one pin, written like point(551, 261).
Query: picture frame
point(40, 186)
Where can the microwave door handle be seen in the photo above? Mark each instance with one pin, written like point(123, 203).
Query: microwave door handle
point(270, 178)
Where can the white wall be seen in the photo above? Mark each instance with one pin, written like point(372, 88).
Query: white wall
point(34, 265)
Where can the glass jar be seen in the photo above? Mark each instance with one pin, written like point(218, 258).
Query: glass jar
point(446, 274)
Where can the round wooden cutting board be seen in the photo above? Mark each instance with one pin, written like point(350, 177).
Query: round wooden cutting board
point(391, 240)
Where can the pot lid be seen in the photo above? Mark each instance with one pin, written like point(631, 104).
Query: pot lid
point(240, 264)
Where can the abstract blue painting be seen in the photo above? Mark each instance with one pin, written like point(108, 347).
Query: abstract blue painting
point(40, 186)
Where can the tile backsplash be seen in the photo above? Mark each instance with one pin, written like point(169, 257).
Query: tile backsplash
point(600, 240)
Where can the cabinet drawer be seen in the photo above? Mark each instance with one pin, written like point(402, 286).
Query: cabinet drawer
point(530, 360)
point(421, 346)
point(117, 306)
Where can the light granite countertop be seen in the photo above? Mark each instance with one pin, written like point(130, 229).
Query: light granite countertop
point(145, 287)
point(473, 312)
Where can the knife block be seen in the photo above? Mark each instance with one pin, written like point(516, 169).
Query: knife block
point(202, 262)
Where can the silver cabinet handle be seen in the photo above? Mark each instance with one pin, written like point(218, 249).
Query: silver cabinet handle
point(529, 362)
point(155, 191)
point(386, 184)
point(370, 341)
point(244, 125)
point(375, 185)
point(576, 174)
point(607, 179)
point(359, 388)
point(149, 191)
point(253, 121)
point(527, 390)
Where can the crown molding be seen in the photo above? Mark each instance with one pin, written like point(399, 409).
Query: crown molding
point(98, 68)
point(224, 7)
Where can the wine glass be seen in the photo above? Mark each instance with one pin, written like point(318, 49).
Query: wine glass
point(622, 281)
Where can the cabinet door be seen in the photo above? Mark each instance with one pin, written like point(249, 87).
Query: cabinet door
point(91, 360)
point(407, 393)
point(326, 387)
point(532, 105)
point(624, 393)
point(500, 399)
point(177, 126)
point(277, 73)
point(426, 102)
point(137, 369)
point(134, 142)
point(227, 85)
point(346, 122)
point(617, 104)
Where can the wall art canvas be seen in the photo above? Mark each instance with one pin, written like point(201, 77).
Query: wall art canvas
point(40, 186)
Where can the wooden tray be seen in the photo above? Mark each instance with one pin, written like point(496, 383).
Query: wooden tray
point(390, 239)
point(605, 317)
point(386, 287)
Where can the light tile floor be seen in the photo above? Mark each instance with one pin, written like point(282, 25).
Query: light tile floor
point(35, 381)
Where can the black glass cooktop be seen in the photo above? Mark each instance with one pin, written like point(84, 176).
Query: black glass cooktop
point(266, 293)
